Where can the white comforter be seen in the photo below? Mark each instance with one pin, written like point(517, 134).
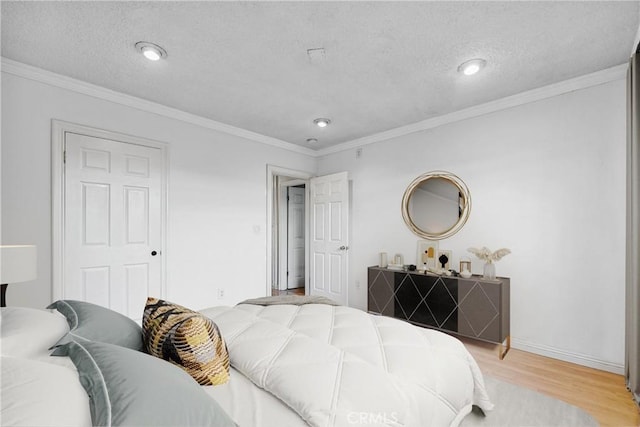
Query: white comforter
point(338, 366)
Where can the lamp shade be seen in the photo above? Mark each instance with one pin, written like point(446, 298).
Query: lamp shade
point(18, 263)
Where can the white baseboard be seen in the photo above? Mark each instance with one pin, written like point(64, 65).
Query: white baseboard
point(579, 359)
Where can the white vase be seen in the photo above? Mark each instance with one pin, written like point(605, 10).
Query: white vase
point(489, 271)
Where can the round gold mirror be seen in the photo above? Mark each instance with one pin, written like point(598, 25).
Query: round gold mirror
point(436, 205)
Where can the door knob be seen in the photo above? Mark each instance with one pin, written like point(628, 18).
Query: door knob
point(154, 253)
point(343, 248)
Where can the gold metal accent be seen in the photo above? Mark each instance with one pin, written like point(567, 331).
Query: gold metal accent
point(501, 355)
point(465, 204)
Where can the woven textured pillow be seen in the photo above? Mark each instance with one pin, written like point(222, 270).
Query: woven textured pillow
point(186, 338)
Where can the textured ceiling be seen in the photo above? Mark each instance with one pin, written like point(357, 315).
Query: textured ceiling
point(386, 64)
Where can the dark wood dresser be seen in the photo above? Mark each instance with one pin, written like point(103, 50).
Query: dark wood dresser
point(474, 307)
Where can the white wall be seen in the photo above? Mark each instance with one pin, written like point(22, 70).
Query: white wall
point(217, 192)
point(547, 180)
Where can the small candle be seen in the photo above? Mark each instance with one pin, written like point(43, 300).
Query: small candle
point(383, 260)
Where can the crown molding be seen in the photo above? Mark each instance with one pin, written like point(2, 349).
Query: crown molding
point(53, 79)
point(47, 77)
point(588, 80)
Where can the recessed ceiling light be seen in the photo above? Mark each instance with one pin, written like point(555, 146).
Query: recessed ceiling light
point(322, 123)
point(151, 51)
point(312, 140)
point(472, 66)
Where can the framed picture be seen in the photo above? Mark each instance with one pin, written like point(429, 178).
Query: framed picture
point(426, 256)
point(444, 259)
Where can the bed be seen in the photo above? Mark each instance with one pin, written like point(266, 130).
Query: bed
point(290, 365)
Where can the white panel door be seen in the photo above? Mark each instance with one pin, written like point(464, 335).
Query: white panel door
point(112, 223)
point(330, 236)
point(295, 238)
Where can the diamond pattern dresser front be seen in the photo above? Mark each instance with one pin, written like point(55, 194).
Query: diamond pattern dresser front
point(474, 307)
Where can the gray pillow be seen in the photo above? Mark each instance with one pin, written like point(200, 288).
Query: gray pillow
point(130, 388)
point(91, 322)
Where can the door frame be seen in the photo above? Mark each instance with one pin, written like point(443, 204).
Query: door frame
point(283, 229)
point(272, 172)
point(58, 130)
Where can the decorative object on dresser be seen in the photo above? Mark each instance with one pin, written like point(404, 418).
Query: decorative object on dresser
point(397, 264)
point(436, 205)
point(473, 307)
point(398, 259)
point(485, 254)
point(383, 260)
point(18, 263)
point(444, 259)
point(465, 267)
point(427, 254)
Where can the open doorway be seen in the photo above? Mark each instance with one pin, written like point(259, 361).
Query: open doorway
point(326, 226)
point(291, 229)
point(289, 219)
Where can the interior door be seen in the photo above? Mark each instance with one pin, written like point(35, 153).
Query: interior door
point(329, 198)
point(112, 223)
point(295, 237)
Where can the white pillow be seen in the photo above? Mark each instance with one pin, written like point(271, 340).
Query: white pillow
point(42, 394)
point(29, 332)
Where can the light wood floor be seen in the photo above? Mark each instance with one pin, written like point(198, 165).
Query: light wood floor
point(602, 394)
point(296, 291)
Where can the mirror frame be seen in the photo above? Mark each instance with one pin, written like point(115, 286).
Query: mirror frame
point(464, 216)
